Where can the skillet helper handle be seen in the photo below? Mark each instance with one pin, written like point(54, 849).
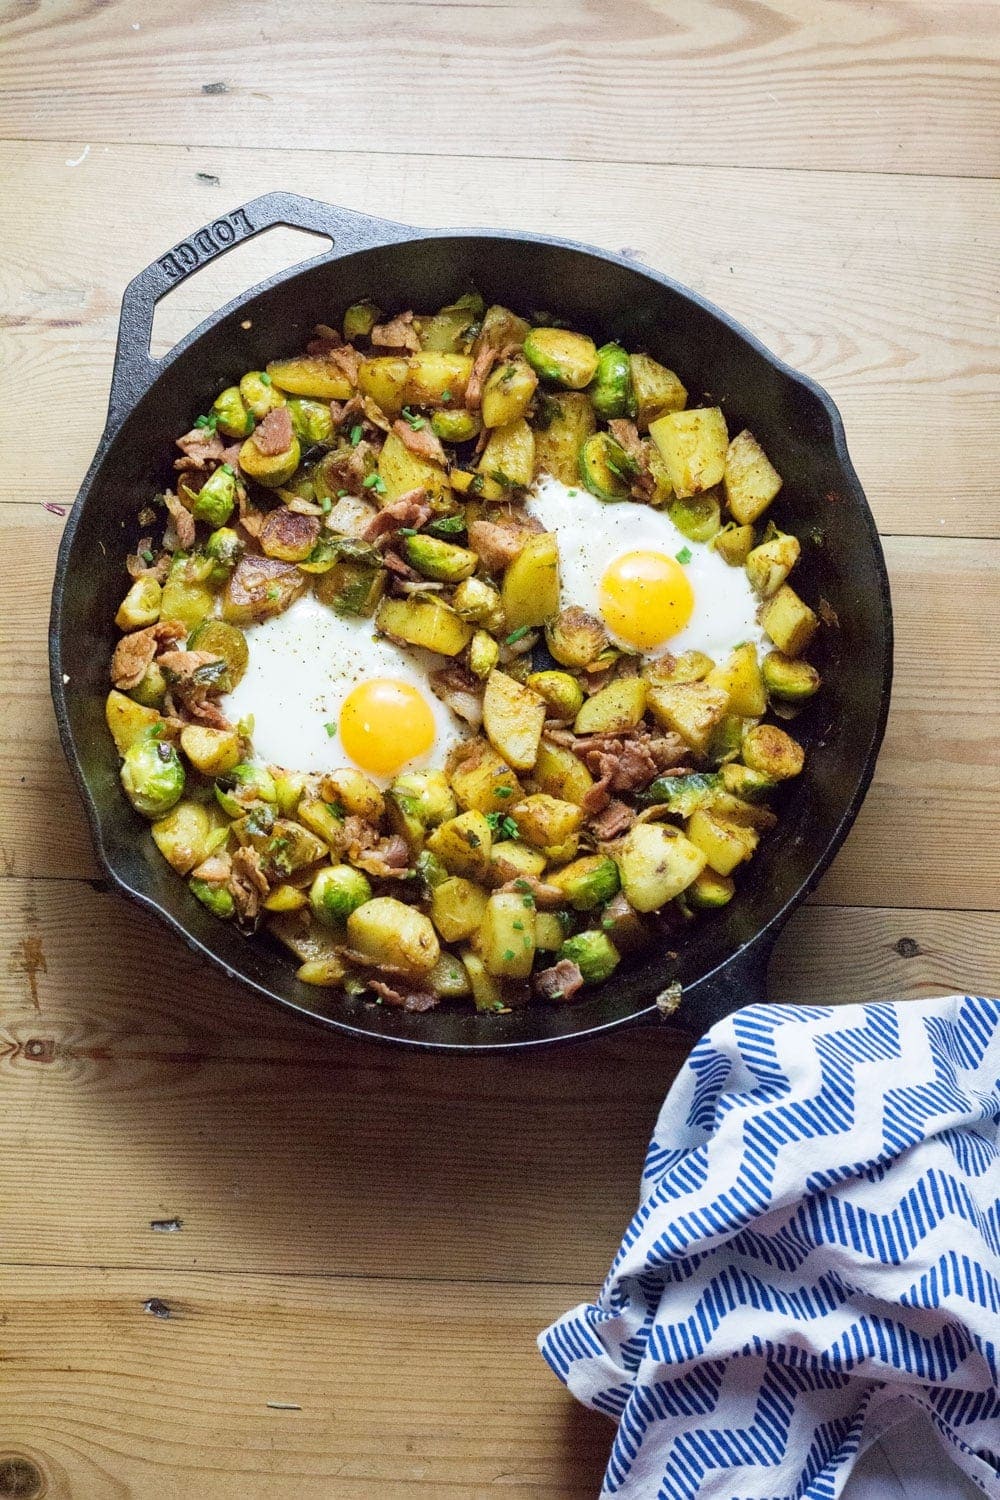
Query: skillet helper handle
point(135, 368)
point(741, 981)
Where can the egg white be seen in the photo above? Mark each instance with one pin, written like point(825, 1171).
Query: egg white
point(303, 663)
point(591, 533)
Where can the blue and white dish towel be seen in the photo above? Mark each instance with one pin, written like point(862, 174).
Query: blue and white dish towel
point(815, 1261)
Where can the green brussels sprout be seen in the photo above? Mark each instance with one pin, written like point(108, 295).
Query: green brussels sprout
point(587, 882)
point(259, 394)
point(225, 549)
point(789, 678)
point(478, 602)
point(218, 900)
point(225, 640)
point(452, 328)
point(233, 417)
point(484, 653)
point(708, 890)
point(605, 468)
point(427, 795)
point(270, 469)
point(568, 359)
point(359, 320)
point(442, 561)
point(456, 425)
point(151, 690)
point(336, 892)
point(611, 389)
point(561, 692)
point(741, 781)
point(312, 421)
point(575, 638)
point(244, 785)
point(430, 869)
point(698, 517)
point(683, 795)
point(594, 954)
point(152, 775)
point(288, 788)
point(772, 752)
point(727, 739)
point(215, 500)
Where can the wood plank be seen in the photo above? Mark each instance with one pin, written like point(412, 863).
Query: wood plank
point(890, 88)
point(938, 769)
point(393, 1390)
point(174, 1095)
point(841, 275)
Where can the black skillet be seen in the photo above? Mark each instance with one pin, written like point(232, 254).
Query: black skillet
point(723, 958)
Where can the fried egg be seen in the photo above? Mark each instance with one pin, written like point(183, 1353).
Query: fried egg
point(323, 691)
point(654, 589)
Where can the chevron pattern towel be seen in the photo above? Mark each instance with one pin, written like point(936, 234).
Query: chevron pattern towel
point(815, 1258)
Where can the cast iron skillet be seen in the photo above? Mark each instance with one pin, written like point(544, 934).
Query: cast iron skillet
point(723, 959)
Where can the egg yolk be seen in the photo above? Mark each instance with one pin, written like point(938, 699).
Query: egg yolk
point(384, 724)
point(645, 598)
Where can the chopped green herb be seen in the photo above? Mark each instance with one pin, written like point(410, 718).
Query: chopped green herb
point(413, 418)
point(528, 901)
point(739, 644)
point(557, 994)
point(447, 526)
point(335, 808)
point(503, 825)
point(331, 730)
point(684, 555)
point(273, 593)
point(245, 726)
point(518, 926)
point(146, 556)
point(571, 492)
point(608, 923)
point(503, 791)
point(356, 431)
point(375, 482)
point(209, 422)
point(265, 378)
point(228, 469)
point(446, 395)
point(499, 1006)
point(407, 531)
point(518, 634)
point(341, 494)
point(326, 505)
point(508, 954)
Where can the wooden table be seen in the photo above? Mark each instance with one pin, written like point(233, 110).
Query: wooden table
point(241, 1259)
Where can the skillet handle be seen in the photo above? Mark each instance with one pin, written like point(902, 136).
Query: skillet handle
point(741, 981)
point(135, 368)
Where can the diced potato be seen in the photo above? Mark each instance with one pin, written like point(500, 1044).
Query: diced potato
point(770, 564)
point(141, 605)
point(424, 622)
point(564, 852)
point(449, 978)
point(690, 709)
point(561, 773)
point(449, 328)
point(618, 706)
point(741, 680)
point(530, 589)
point(390, 934)
point(509, 456)
point(457, 908)
point(328, 973)
point(432, 373)
point(565, 421)
point(211, 751)
point(127, 720)
point(482, 779)
point(723, 844)
point(508, 391)
point(310, 375)
point(402, 470)
point(789, 622)
point(772, 752)
point(305, 937)
point(549, 932)
point(507, 936)
point(384, 381)
point(513, 718)
point(486, 992)
point(285, 848)
point(182, 836)
point(657, 863)
point(259, 588)
point(355, 792)
point(545, 821)
point(511, 859)
point(693, 445)
point(656, 389)
point(733, 543)
point(501, 328)
point(751, 480)
point(475, 484)
point(463, 844)
point(320, 818)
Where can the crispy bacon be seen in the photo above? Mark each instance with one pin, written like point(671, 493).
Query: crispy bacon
point(496, 546)
point(482, 364)
point(404, 999)
point(248, 884)
point(388, 859)
point(561, 982)
point(342, 411)
point(347, 360)
point(183, 521)
point(134, 652)
point(398, 333)
point(617, 818)
point(201, 449)
point(410, 510)
point(547, 897)
point(274, 435)
point(423, 442)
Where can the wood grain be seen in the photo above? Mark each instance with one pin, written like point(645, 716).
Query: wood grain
point(391, 1390)
point(938, 768)
point(176, 1095)
point(887, 87)
point(840, 274)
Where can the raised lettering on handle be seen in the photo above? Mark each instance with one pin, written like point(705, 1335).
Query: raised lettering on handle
point(190, 254)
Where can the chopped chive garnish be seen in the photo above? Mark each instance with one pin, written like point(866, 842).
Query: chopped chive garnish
point(413, 418)
point(446, 395)
point(508, 954)
point(331, 730)
point(326, 505)
point(375, 482)
point(518, 635)
point(684, 555)
point(146, 556)
point(341, 494)
point(503, 791)
point(407, 531)
point(265, 378)
point(356, 431)
point(228, 469)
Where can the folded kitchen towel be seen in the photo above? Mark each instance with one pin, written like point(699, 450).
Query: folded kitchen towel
point(814, 1264)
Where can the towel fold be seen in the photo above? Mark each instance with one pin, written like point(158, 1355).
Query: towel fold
point(815, 1258)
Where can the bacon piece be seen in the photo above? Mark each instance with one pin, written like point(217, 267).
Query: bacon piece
point(462, 693)
point(496, 546)
point(626, 435)
point(342, 411)
point(201, 449)
point(323, 340)
point(134, 652)
point(248, 884)
point(482, 364)
point(389, 859)
point(561, 982)
point(400, 569)
point(547, 897)
point(251, 519)
point(183, 521)
point(137, 566)
point(423, 441)
point(404, 999)
point(215, 870)
point(347, 360)
point(410, 510)
point(597, 797)
point(398, 333)
point(274, 435)
point(617, 818)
